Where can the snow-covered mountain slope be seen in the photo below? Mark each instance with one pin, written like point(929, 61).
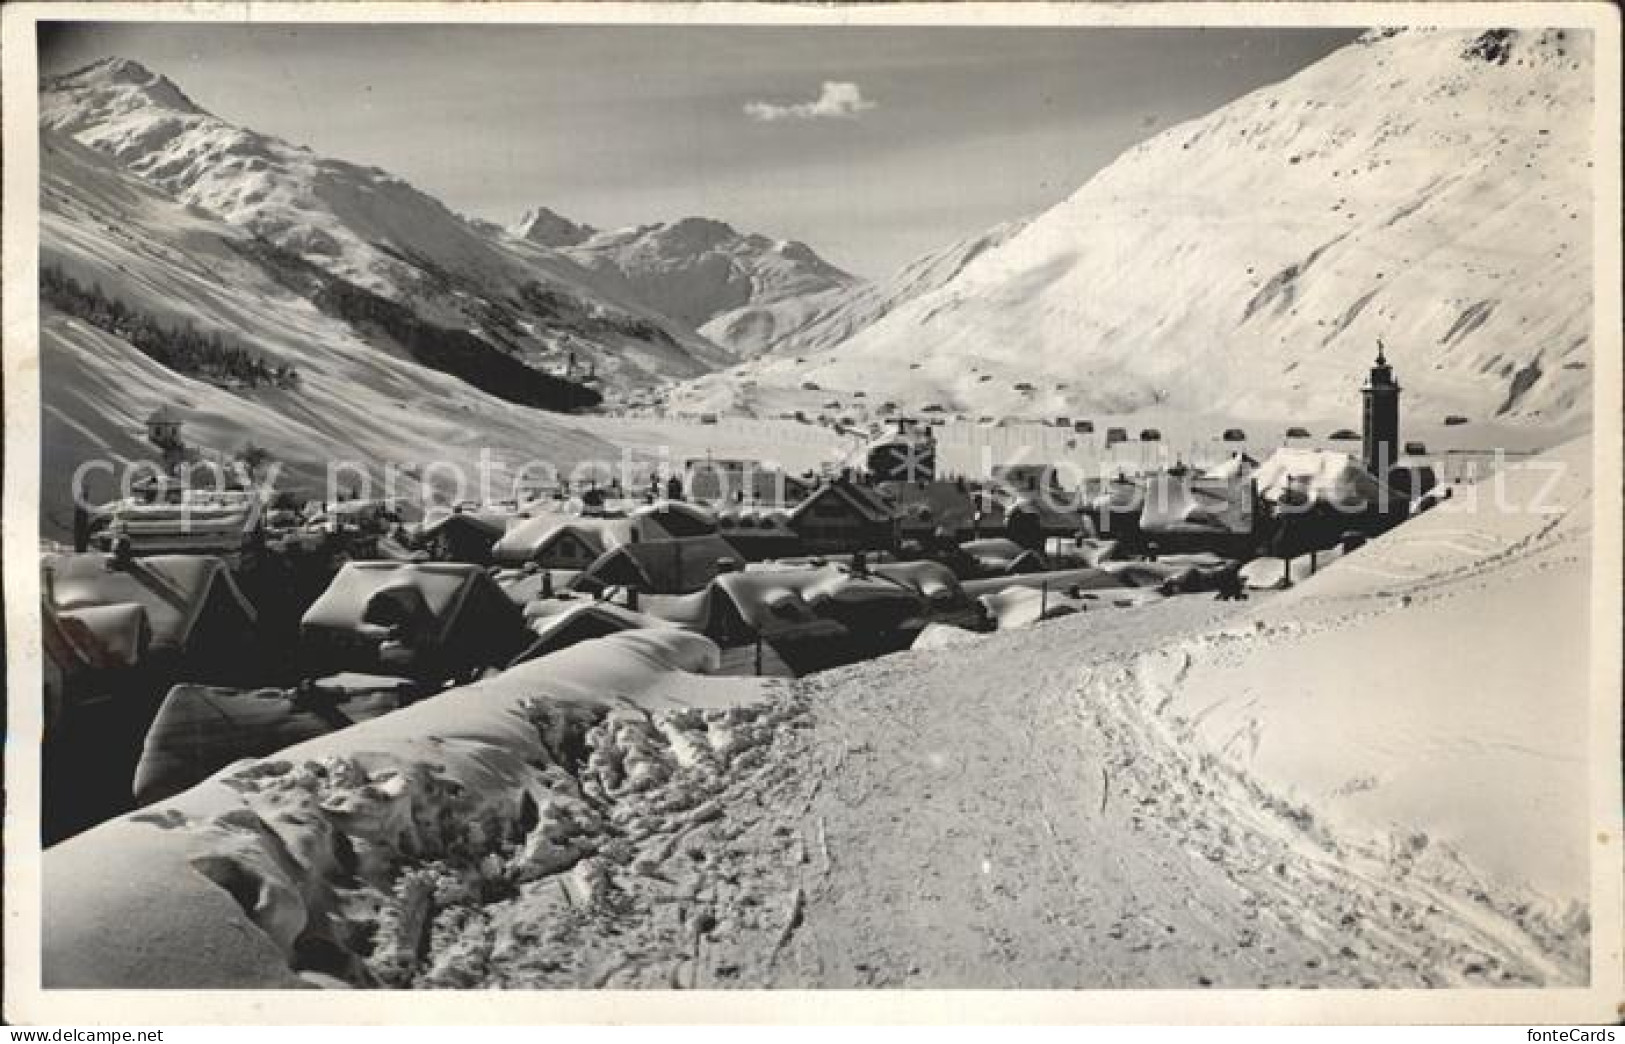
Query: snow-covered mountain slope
point(815, 323)
point(368, 227)
point(1431, 188)
point(357, 398)
point(700, 272)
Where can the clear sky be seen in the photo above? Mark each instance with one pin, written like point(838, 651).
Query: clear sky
point(870, 144)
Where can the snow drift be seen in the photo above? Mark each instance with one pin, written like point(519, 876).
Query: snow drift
point(1426, 698)
point(338, 859)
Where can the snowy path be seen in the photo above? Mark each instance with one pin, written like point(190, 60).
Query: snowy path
point(1023, 814)
point(1046, 830)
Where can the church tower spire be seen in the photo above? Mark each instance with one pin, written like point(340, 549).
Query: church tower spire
point(1381, 416)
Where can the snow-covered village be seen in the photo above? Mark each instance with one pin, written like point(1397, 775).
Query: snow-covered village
point(1068, 508)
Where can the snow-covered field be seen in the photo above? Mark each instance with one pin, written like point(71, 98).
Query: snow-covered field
point(1316, 788)
point(792, 445)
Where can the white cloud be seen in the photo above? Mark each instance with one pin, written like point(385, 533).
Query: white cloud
point(840, 100)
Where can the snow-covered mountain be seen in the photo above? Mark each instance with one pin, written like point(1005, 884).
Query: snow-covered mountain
point(551, 229)
point(369, 227)
point(701, 272)
point(358, 397)
point(815, 323)
point(1431, 188)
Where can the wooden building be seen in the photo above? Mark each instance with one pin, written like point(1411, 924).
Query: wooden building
point(841, 515)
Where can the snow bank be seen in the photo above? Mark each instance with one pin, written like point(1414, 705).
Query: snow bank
point(1426, 698)
point(339, 859)
point(943, 636)
point(1270, 574)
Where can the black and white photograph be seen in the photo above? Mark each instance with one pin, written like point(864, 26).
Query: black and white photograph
point(754, 498)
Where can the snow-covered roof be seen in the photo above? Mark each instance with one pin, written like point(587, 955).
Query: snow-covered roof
point(1325, 476)
point(679, 566)
point(1221, 506)
point(531, 538)
point(437, 597)
point(171, 591)
point(868, 504)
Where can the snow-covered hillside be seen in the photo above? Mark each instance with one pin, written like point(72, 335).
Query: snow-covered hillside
point(701, 272)
point(356, 399)
point(814, 323)
point(369, 227)
point(1431, 188)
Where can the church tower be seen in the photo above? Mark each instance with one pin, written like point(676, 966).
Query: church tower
point(1381, 430)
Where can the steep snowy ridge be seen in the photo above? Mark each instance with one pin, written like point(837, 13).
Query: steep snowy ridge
point(819, 322)
point(699, 271)
point(366, 226)
point(1432, 188)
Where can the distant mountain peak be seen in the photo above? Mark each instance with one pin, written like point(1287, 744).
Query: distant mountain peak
point(695, 269)
point(694, 224)
point(549, 228)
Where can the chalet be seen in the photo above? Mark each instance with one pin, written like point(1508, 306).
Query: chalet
point(951, 508)
point(814, 618)
point(116, 634)
point(560, 624)
point(843, 516)
point(666, 567)
point(118, 613)
point(166, 518)
point(759, 534)
point(462, 536)
point(200, 729)
point(1316, 497)
point(431, 621)
point(1180, 513)
point(672, 519)
point(554, 540)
